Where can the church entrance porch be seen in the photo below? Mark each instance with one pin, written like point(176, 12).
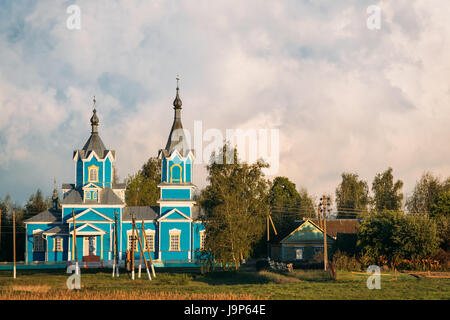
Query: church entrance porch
point(90, 248)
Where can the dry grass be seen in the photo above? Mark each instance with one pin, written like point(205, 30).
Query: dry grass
point(27, 288)
point(35, 294)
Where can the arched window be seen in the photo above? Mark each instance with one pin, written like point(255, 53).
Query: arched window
point(93, 174)
point(176, 171)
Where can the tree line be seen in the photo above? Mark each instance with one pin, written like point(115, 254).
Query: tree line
point(238, 198)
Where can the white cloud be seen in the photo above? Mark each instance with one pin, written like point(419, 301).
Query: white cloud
point(345, 98)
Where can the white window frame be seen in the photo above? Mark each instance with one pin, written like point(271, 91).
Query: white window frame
point(41, 242)
point(149, 233)
point(91, 177)
point(297, 250)
point(130, 234)
point(59, 244)
point(175, 246)
point(202, 239)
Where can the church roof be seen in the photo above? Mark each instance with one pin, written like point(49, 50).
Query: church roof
point(50, 215)
point(107, 196)
point(94, 143)
point(141, 213)
point(58, 230)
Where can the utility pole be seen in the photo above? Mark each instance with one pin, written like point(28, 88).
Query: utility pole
point(116, 244)
point(114, 250)
point(140, 252)
point(14, 240)
point(74, 239)
point(325, 202)
point(319, 216)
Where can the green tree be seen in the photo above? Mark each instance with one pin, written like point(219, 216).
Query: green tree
point(425, 193)
point(285, 204)
point(152, 170)
point(141, 191)
point(6, 241)
point(306, 203)
point(387, 194)
point(236, 205)
point(441, 205)
point(440, 212)
point(36, 204)
point(392, 235)
point(352, 196)
point(379, 235)
point(420, 236)
point(142, 188)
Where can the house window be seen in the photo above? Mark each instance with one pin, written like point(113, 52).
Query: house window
point(132, 242)
point(299, 254)
point(58, 244)
point(174, 242)
point(202, 240)
point(93, 174)
point(38, 243)
point(87, 195)
point(149, 241)
point(94, 195)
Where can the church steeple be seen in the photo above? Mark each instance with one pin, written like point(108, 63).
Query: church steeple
point(94, 142)
point(96, 169)
point(177, 139)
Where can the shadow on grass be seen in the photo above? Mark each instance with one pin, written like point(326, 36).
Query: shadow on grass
point(232, 278)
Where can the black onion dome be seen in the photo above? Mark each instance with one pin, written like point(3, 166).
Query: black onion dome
point(94, 118)
point(177, 102)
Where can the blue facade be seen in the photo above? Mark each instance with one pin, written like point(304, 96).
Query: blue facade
point(98, 205)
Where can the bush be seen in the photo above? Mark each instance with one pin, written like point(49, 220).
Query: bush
point(341, 261)
point(444, 259)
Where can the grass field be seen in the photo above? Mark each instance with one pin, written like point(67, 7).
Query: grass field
point(242, 285)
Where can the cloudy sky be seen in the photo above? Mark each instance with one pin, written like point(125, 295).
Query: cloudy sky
point(343, 97)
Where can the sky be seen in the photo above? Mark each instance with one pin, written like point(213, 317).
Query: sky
point(343, 97)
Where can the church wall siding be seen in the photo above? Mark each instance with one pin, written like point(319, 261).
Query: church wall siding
point(176, 194)
point(185, 238)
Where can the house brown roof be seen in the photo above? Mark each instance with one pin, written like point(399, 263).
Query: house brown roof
point(335, 226)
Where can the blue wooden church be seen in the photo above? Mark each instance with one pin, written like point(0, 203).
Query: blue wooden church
point(94, 205)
